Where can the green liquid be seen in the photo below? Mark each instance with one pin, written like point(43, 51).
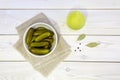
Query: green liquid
point(75, 20)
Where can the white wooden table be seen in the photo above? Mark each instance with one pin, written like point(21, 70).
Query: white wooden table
point(103, 25)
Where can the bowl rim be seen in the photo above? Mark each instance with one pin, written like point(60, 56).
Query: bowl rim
point(51, 28)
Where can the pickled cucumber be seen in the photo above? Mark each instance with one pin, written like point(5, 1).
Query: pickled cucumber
point(33, 38)
point(39, 51)
point(42, 36)
point(29, 36)
point(49, 40)
point(51, 33)
point(39, 32)
point(39, 28)
point(39, 44)
point(46, 47)
point(39, 40)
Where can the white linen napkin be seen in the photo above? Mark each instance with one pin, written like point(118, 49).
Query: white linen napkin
point(43, 64)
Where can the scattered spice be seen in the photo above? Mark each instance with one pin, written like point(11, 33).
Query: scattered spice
point(79, 43)
point(91, 44)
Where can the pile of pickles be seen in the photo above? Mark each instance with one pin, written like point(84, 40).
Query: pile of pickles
point(39, 40)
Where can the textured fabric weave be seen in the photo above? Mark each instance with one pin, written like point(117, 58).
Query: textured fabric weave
point(44, 65)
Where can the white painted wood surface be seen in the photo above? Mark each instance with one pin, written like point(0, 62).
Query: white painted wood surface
point(102, 25)
point(108, 50)
point(105, 24)
point(65, 71)
point(59, 4)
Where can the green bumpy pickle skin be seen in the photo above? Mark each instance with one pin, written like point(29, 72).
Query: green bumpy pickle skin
point(33, 38)
point(51, 33)
point(39, 44)
point(42, 30)
point(39, 51)
point(46, 47)
point(39, 28)
point(29, 36)
point(42, 36)
point(49, 40)
point(39, 32)
point(50, 37)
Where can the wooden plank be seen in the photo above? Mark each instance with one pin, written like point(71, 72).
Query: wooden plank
point(65, 71)
point(66, 4)
point(108, 50)
point(6, 47)
point(98, 22)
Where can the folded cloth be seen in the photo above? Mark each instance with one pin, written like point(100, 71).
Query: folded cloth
point(44, 65)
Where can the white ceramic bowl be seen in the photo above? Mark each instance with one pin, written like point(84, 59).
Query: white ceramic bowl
point(47, 26)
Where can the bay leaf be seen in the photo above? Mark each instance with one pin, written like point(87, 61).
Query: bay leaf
point(81, 37)
point(92, 44)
